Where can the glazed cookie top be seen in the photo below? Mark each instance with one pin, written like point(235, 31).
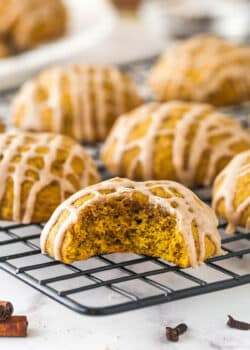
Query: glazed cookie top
point(40, 160)
point(197, 68)
point(22, 21)
point(226, 188)
point(82, 101)
point(175, 199)
point(194, 131)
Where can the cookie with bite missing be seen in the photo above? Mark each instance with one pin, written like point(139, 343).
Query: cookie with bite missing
point(156, 218)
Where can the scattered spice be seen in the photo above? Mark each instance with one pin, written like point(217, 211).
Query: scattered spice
point(173, 334)
point(15, 326)
point(11, 326)
point(181, 328)
point(232, 323)
point(6, 310)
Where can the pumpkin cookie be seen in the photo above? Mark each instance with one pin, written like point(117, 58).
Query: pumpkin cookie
point(186, 142)
point(156, 218)
point(203, 68)
point(79, 101)
point(38, 172)
point(4, 50)
point(231, 193)
point(29, 23)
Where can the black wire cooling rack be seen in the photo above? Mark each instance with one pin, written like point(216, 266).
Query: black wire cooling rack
point(114, 283)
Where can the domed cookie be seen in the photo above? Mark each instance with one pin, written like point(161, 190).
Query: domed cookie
point(2, 125)
point(28, 23)
point(156, 218)
point(203, 68)
point(186, 142)
point(80, 101)
point(231, 192)
point(4, 50)
point(38, 172)
point(8, 13)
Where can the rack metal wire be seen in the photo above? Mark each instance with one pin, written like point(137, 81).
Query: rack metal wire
point(113, 283)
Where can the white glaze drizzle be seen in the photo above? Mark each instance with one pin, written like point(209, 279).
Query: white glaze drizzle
point(212, 125)
point(92, 104)
point(229, 177)
point(10, 147)
point(216, 60)
point(186, 210)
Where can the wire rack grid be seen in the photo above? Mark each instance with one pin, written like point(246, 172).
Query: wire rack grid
point(113, 283)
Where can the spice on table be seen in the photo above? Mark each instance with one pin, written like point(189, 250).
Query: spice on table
point(15, 326)
point(181, 328)
point(6, 310)
point(127, 5)
point(172, 334)
point(232, 323)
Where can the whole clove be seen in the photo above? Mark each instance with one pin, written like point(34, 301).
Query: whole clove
point(232, 323)
point(181, 328)
point(173, 334)
point(6, 310)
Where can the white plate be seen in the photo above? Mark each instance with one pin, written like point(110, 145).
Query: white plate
point(90, 22)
